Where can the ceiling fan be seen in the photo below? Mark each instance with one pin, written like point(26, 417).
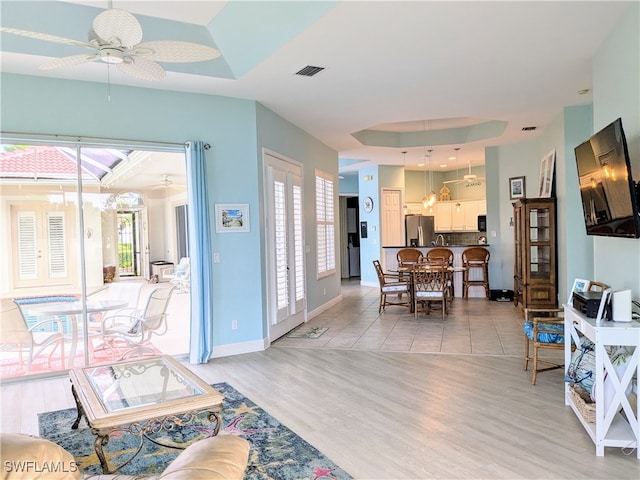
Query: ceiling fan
point(115, 39)
point(470, 179)
point(166, 182)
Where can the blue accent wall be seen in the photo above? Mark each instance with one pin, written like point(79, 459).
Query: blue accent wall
point(236, 129)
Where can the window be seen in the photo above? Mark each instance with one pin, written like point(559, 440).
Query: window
point(325, 225)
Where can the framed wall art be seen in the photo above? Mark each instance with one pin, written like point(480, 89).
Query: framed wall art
point(516, 188)
point(546, 174)
point(232, 217)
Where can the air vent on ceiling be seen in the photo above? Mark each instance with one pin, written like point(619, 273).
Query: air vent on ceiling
point(528, 129)
point(309, 71)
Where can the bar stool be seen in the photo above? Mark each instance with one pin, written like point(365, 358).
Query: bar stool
point(446, 255)
point(475, 259)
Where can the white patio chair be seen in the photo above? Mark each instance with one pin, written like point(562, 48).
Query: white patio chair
point(133, 332)
point(17, 336)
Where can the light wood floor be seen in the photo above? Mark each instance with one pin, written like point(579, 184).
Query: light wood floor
point(399, 409)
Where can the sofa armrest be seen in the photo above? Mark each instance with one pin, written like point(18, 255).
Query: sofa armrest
point(219, 457)
point(26, 457)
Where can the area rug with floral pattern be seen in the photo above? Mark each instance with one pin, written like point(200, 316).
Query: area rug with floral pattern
point(276, 451)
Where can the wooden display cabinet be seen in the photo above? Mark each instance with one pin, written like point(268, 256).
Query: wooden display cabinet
point(535, 268)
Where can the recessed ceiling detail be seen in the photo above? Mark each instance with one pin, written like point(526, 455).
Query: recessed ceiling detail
point(448, 131)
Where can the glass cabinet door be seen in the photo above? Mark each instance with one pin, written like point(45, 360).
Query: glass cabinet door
point(540, 265)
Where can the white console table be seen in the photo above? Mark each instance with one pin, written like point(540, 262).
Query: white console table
point(610, 429)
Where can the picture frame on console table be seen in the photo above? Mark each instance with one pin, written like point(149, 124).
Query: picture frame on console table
point(579, 285)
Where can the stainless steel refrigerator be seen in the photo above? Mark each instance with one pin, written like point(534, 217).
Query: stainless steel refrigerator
point(418, 230)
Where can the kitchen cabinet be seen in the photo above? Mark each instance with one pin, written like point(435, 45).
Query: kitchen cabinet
point(443, 217)
point(459, 216)
point(470, 211)
point(535, 268)
point(414, 209)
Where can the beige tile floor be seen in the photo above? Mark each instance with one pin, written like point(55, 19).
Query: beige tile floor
point(473, 326)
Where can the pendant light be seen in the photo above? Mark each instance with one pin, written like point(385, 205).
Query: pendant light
point(432, 196)
point(405, 208)
point(425, 199)
point(457, 183)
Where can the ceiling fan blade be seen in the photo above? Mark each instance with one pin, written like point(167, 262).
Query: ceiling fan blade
point(454, 181)
point(142, 69)
point(46, 37)
point(119, 27)
point(69, 61)
point(176, 52)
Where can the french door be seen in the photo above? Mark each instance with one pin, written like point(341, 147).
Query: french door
point(42, 245)
point(285, 245)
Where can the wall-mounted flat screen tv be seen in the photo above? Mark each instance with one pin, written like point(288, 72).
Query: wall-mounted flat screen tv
point(609, 194)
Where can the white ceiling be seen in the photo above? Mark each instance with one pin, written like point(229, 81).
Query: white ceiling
point(426, 64)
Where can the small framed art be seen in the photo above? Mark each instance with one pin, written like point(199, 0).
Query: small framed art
point(547, 165)
point(579, 285)
point(516, 187)
point(232, 217)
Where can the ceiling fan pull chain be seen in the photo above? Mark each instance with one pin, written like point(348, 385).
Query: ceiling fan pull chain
point(109, 82)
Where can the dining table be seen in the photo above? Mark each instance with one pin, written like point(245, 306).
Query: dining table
point(77, 311)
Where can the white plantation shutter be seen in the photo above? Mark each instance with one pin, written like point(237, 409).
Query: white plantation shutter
point(325, 225)
point(280, 227)
point(298, 238)
point(27, 246)
point(57, 242)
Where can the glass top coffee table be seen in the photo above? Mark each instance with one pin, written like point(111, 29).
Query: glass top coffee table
point(142, 397)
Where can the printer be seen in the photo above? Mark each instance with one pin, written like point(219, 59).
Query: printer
point(588, 303)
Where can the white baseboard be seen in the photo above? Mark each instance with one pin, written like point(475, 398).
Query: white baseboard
point(239, 348)
point(325, 306)
point(369, 284)
point(261, 345)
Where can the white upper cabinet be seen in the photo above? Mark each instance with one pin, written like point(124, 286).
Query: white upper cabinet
point(443, 217)
point(459, 216)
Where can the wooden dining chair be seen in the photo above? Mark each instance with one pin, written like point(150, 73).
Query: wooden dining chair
point(430, 285)
point(392, 285)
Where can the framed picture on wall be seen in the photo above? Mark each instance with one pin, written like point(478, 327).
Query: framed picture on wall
point(516, 188)
point(232, 217)
point(546, 174)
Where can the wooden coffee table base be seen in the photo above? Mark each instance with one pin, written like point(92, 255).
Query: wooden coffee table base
point(143, 429)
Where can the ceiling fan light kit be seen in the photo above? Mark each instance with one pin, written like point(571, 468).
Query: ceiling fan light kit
point(115, 39)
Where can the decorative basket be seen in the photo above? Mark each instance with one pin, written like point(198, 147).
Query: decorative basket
point(582, 401)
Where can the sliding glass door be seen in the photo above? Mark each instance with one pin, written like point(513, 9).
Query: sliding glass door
point(84, 226)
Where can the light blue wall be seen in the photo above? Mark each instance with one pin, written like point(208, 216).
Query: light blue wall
point(281, 136)
point(576, 245)
point(36, 105)
point(349, 185)
point(504, 162)
point(370, 246)
point(415, 184)
point(616, 93)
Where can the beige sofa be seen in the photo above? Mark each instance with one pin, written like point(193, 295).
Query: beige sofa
point(26, 457)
